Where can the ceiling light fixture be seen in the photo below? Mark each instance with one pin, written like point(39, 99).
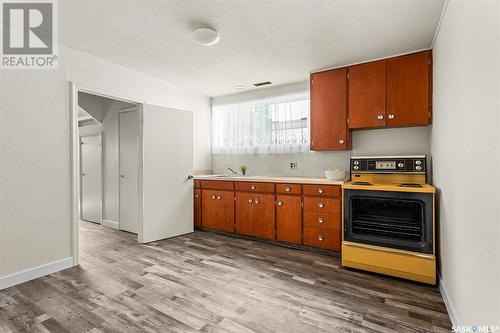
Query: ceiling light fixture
point(205, 35)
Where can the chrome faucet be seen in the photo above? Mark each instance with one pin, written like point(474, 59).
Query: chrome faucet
point(232, 171)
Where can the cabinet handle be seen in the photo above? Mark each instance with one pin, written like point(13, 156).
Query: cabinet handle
point(320, 220)
point(320, 190)
point(219, 197)
point(250, 200)
point(287, 189)
point(320, 205)
point(380, 117)
point(213, 197)
point(252, 187)
point(256, 201)
point(341, 141)
point(320, 238)
point(391, 116)
point(280, 203)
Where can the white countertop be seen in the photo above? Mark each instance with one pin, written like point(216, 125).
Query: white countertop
point(272, 179)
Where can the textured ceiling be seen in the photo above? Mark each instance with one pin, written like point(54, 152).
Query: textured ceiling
point(277, 41)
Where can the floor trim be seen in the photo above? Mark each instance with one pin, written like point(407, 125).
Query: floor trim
point(447, 302)
point(111, 224)
point(33, 273)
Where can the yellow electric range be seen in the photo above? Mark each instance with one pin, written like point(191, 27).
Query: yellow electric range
point(388, 217)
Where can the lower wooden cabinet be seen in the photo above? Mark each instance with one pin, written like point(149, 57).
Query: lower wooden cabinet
point(289, 218)
point(218, 210)
point(197, 207)
point(255, 215)
point(328, 239)
point(297, 214)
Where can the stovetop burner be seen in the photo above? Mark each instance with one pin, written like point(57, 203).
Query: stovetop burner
point(363, 183)
point(410, 185)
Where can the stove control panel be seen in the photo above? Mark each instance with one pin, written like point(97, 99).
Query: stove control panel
point(389, 164)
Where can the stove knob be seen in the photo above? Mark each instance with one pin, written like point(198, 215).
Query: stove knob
point(418, 162)
point(356, 162)
point(356, 167)
point(418, 167)
point(401, 164)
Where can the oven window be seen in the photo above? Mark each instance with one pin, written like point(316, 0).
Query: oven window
point(399, 219)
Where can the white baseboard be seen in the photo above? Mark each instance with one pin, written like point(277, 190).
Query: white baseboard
point(111, 224)
point(447, 302)
point(33, 273)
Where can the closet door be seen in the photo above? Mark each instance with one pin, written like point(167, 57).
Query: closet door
point(91, 178)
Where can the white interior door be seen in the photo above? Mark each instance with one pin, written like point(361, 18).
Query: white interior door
point(167, 161)
point(91, 178)
point(129, 170)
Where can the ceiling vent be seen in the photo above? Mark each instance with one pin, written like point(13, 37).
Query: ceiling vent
point(260, 84)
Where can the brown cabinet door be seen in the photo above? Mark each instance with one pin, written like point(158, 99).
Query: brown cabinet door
point(288, 219)
point(329, 130)
point(264, 222)
point(218, 210)
point(367, 95)
point(244, 213)
point(197, 208)
point(408, 90)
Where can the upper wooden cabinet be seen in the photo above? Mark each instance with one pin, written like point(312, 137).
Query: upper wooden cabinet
point(393, 92)
point(409, 90)
point(367, 95)
point(329, 129)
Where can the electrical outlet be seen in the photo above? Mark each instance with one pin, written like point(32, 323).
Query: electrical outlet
point(293, 165)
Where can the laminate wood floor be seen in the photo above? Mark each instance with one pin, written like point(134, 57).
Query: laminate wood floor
point(213, 283)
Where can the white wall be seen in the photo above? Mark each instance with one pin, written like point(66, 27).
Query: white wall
point(466, 159)
point(397, 141)
point(35, 149)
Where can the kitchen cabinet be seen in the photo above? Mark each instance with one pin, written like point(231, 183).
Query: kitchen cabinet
point(218, 210)
point(255, 215)
point(293, 213)
point(197, 207)
point(328, 112)
point(289, 218)
point(409, 90)
point(367, 95)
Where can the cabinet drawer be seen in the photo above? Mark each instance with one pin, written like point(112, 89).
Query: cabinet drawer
point(322, 205)
point(322, 220)
point(327, 239)
point(288, 188)
point(323, 190)
point(217, 185)
point(254, 187)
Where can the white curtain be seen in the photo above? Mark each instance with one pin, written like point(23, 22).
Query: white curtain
point(271, 125)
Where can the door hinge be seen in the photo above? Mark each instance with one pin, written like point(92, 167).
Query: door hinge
point(312, 81)
point(348, 75)
point(348, 120)
point(302, 204)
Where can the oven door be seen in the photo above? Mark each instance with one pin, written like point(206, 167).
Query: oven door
point(399, 220)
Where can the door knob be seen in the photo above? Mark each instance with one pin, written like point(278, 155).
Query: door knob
point(252, 187)
point(380, 117)
point(213, 197)
point(287, 189)
point(122, 176)
point(250, 200)
point(219, 197)
point(320, 205)
point(320, 238)
point(320, 190)
point(320, 220)
point(391, 116)
point(341, 141)
point(280, 203)
point(197, 196)
point(83, 173)
point(256, 201)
